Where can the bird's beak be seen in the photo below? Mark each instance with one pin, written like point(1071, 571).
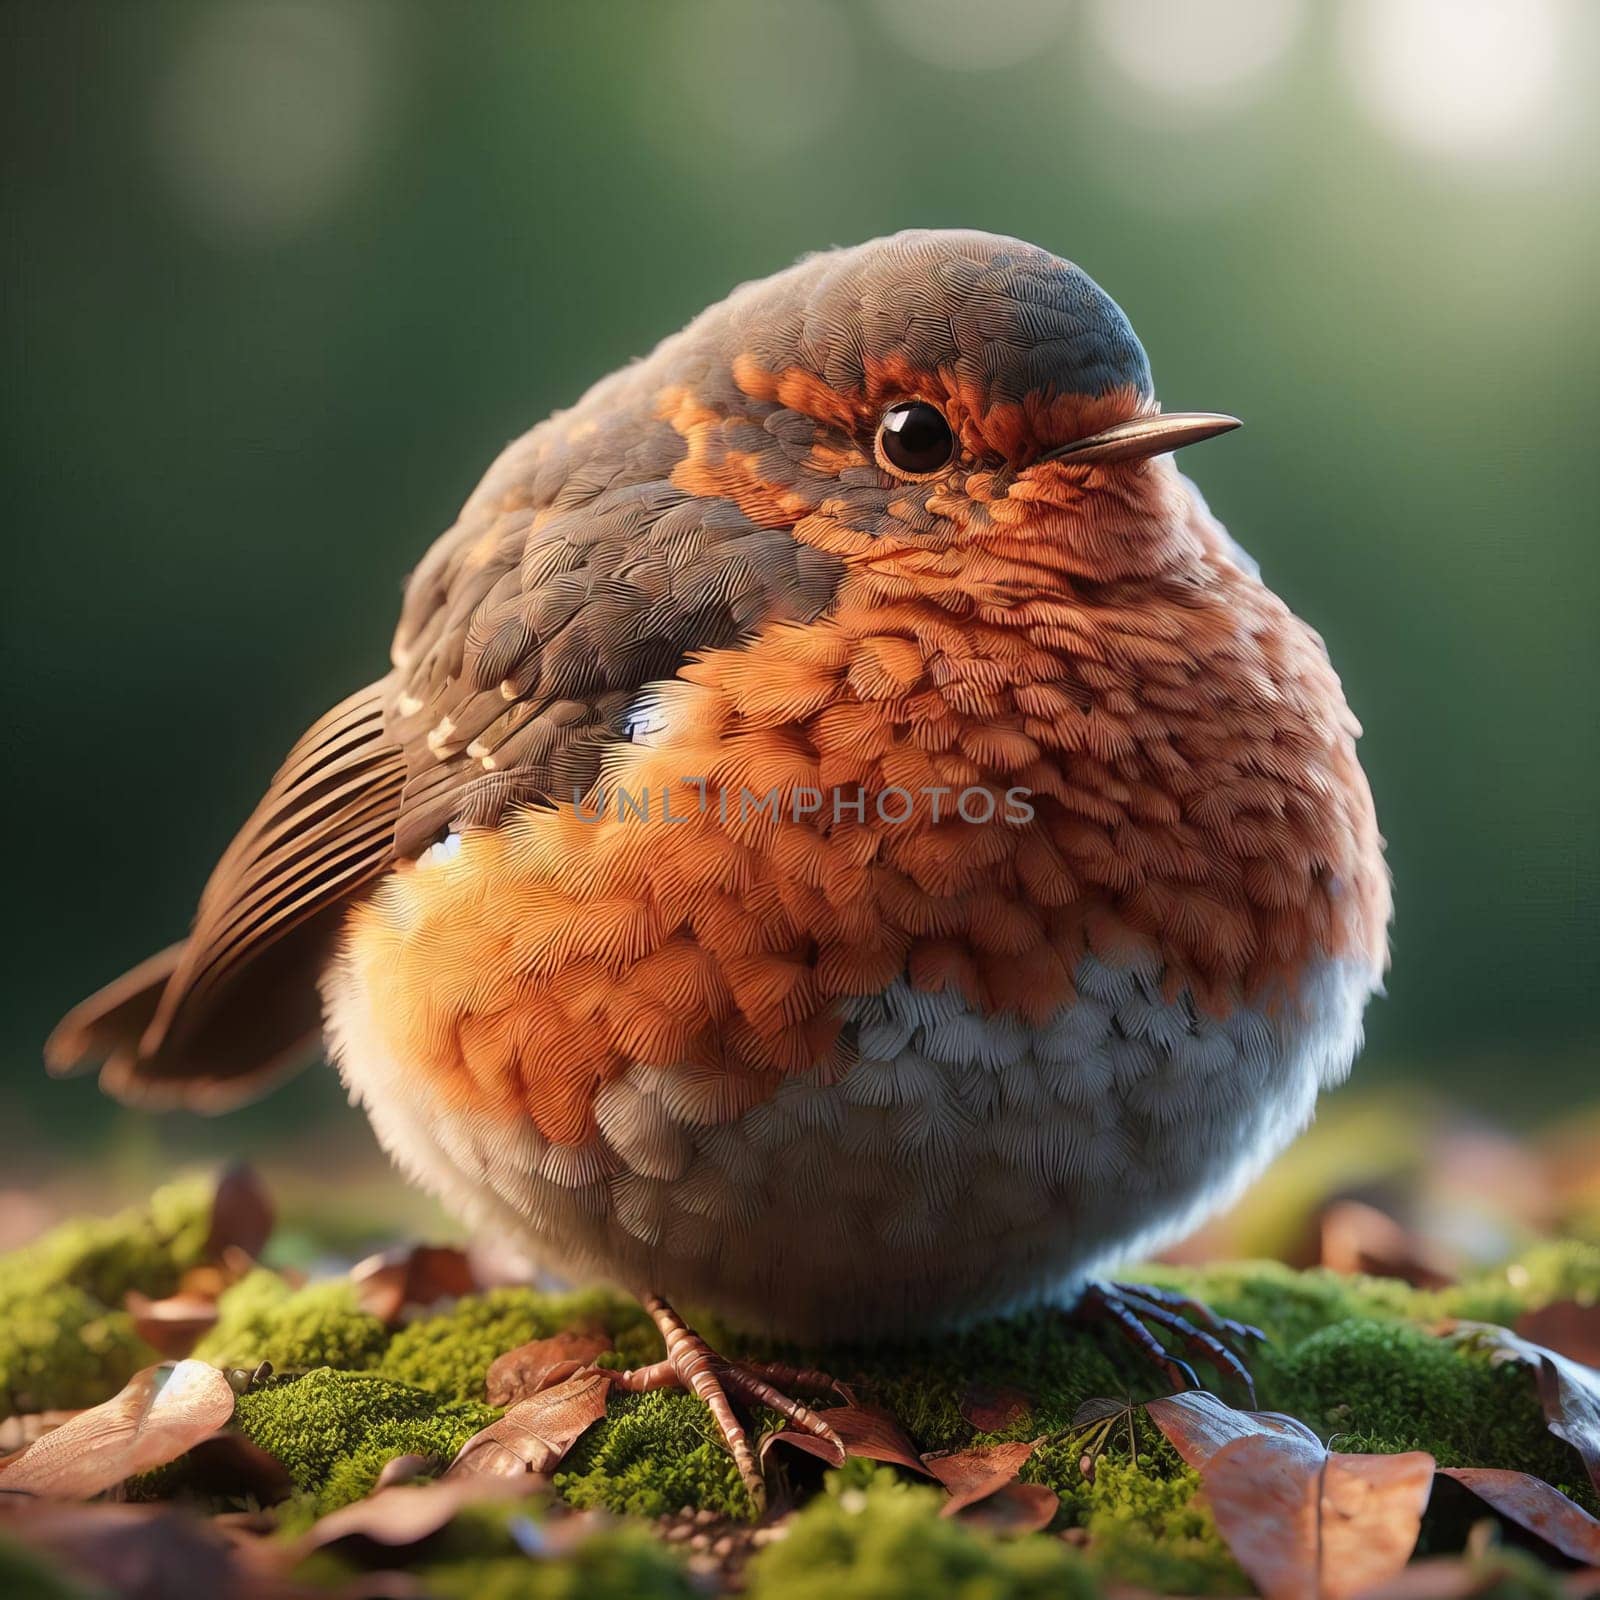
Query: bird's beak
point(1145, 436)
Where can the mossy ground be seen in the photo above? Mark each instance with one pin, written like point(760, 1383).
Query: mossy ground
point(64, 1338)
point(1353, 1357)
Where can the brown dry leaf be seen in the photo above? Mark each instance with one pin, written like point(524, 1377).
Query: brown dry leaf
point(146, 1552)
point(535, 1434)
point(205, 1282)
point(1197, 1425)
point(407, 1469)
point(174, 1325)
point(1568, 1390)
point(1359, 1238)
point(1307, 1525)
point(1013, 1510)
point(162, 1412)
point(539, 1363)
point(973, 1475)
point(1535, 1505)
point(242, 1214)
point(406, 1514)
point(866, 1431)
point(236, 1468)
point(1567, 1327)
point(418, 1275)
point(19, 1431)
point(1452, 1578)
point(993, 1409)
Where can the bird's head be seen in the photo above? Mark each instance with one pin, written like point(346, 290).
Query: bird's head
point(948, 410)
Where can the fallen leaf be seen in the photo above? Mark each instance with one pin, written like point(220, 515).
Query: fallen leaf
point(19, 1431)
point(1568, 1390)
point(535, 1434)
point(991, 1409)
point(866, 1431)
point(173, 1325)
point(557, 1531)
point(242, 1214)
point(1101, 1408)
point(1567, 1327)
point(162, 1412)
point(416, 1276)
point(1358, 1238)
point(406, 1514)
point(975, 1474)
point(204, 1282)
point(1471, 1577)
point(1013, 1510)
point(536, 1365)
point(1306, 1523)
point(232, 1467)
point(407, 1468)
point(142, 1552)
point(1536, 1506)
point(1198, 1424)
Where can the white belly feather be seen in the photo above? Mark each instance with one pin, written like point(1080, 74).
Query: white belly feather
point(964, 1164)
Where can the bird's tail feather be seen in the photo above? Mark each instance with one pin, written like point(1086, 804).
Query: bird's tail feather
point(220, 1017)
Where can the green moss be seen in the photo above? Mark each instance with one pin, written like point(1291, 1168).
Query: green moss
point(60, 1347)
point(262, 1318)
point(617, 1564)
point(334, 1430)
point(26, 1575)
point(1058, 1362)
point(653, 1454)
point(146, 1247)
point(1560, 1269)
point(510, 1551)
point(1285, 1304)
point(64, 1339)
point(1370, 1387)
point(451, 1353)
point(889, 1542)
point(1352, 1356)
point(1157, 1532)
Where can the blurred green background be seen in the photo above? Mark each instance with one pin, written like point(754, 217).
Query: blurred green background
point(279, 279)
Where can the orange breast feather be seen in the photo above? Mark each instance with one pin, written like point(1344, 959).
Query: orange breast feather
point(1185, 750)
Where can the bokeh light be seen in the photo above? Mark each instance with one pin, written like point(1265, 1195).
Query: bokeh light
point(1217, 52)
point(964, 37)
point(271, 110)
point(762, 80)
point(1466, 77)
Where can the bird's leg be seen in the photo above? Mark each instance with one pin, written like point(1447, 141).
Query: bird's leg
point(1134, 1309)
point(692, 1365)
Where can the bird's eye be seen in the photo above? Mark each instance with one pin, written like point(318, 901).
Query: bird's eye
point(914, 439)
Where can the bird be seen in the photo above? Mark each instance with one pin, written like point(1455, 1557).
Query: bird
point(845, 839)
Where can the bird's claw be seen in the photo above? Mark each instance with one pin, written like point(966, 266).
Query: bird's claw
point(693, 1366)
point(1134, 1309)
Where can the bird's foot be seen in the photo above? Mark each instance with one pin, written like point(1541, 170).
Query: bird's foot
point(1135, 1309)
point(693, 1366)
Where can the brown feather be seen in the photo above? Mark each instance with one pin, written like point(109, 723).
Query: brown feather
point(215, 1020)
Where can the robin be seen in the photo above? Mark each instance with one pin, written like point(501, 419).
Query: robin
point(845, 839)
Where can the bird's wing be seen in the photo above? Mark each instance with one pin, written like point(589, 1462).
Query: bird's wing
point(528, 631)
point(214, 1020)
point(533, 626)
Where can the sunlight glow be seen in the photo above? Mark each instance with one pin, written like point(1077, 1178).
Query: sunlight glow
point(271, 112)
point(1212, 52)
point(963, 36)
point(1470, 77)
point(722, 53)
